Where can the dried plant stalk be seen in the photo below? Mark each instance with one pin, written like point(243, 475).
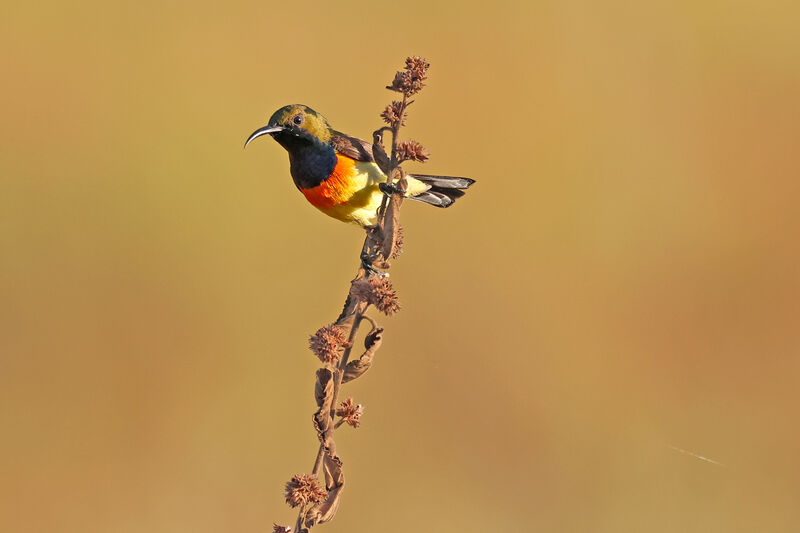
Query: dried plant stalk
point(333, 344)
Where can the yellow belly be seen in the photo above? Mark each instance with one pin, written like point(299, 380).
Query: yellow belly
point(361, 209)
point(363, 197)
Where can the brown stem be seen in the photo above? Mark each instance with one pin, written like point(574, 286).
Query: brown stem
point(318, 461)
point(300, 516)
point(385, 201)
point(358, 315)
point(371, 322)
point(395, 130)
point(360, 307)
point(346, 356)
point(375, 240)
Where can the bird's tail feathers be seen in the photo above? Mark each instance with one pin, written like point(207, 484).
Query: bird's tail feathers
point(442, 191)
point(444, 182)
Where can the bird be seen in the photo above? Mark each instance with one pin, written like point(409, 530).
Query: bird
point(338, 174)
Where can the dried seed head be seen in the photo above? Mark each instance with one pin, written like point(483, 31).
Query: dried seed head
point(303, 489)
point(384, 295)
point(418, 66)
point(328, 342)
point(394, 114)
point(411, 80)
point(281, 529)
point(378, 291)
point(350, 412)
point(412, 151)
point(401, 83)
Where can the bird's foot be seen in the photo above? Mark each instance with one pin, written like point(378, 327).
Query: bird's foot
point(390, 188)
point(366, 264)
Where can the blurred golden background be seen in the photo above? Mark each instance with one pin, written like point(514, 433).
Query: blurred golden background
point(621, 284)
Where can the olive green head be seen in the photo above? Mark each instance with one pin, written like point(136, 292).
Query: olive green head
point(298, 121)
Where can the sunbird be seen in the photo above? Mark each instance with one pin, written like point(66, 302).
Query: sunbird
point(337, 173)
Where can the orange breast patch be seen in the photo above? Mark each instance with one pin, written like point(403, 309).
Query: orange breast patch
point(335, 190)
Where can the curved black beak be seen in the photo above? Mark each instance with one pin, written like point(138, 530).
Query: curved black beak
point(263, 131)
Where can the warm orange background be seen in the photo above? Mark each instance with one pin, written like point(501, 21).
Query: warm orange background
point(623, 280)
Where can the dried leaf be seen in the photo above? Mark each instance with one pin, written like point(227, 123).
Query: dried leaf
point(352, 306)
point(397, 247)
point(323, 392)
point(334, 483)
point(358, 367)
point(379, 152)
point(392, 215)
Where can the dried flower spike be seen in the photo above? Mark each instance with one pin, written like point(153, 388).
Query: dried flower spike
point(378, 291)
point(328, 342)
point(281, 529)
point(394, 114)
point(401, 82)
point(350, 412)
point(411, 80)
point(412, 151)
point(303, 489)
point(418, 66)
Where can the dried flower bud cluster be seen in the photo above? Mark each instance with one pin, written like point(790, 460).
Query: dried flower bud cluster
point(327, 343)
point(411, 80)
point(419, 66)
point(412, 151)
point(350, 412)
point(394, 114)
point(281, 529)
point(378, 291)
point(303, 489)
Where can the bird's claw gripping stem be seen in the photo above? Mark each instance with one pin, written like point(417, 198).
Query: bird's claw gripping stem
point(366, 264)
point(390, 188)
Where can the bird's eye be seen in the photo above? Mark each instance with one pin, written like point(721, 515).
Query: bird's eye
point(298, 119)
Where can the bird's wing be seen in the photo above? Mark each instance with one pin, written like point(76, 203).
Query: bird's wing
point(352, 147)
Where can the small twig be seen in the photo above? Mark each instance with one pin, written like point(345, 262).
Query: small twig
point(318, 460)
point(371, 322)
point(346, 356)
point(696, 456)
point(395, 129)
